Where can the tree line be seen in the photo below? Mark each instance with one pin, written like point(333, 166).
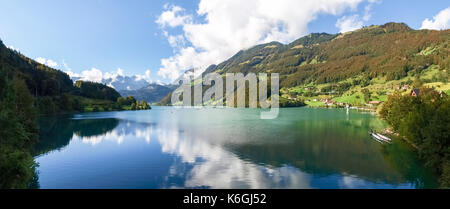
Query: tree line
point(423, 120)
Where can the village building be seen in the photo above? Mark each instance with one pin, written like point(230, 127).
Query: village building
point(374, 103)
point(415, 92)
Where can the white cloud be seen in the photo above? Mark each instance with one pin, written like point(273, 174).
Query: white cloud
point(113, 75)
point(41, 60)
point(229, 26)
point(12, 48)
point(349, 23)
point(176, 41)
point(145, 77)
point(173, 16)
point(94, 75)
point(52, 63)
point(440, 22)
point(354, 22)
point(47, 62)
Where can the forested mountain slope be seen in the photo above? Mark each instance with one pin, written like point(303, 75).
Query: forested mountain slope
point(53, 90)
point(352, 68)
point(392, 50)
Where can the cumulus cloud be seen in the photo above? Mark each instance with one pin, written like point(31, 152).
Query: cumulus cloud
point(47, 62)
point(145, 77)
point(349, 23)
point(173, 16)
point(176, 41)
point(52, 63)
point(356, 21)
point(440, 22)
point(94, 75)
point(225, 27)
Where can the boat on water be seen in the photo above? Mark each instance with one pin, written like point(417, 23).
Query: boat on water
point(377, 138)
point(380, 138)
point(384, 137)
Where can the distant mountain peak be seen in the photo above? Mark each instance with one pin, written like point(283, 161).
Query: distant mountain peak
point(120, 82)
point(151, 93)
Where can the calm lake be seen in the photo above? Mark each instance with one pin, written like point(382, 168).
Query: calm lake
point(223, 148)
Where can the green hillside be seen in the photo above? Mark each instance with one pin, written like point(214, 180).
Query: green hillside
point(352, 68)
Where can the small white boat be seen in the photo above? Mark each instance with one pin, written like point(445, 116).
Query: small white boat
point(376, 137)
point(384, 137)
point(380, 138)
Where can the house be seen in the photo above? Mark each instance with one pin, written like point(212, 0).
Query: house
point(330, 102)
point(374, 103)
point(404, 87)
point(415, 92)
point(327, 101)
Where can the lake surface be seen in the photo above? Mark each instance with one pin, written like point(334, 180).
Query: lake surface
point(223, 148)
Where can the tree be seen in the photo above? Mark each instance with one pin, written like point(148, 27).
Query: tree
point(97, 91)
point(366, 94)
point(417, 83)
point(121, 101)
point(130, 100)
point(144, 105)
point(17, 134)
point(24, 105)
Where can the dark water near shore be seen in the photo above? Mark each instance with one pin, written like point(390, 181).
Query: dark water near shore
point(223, 148)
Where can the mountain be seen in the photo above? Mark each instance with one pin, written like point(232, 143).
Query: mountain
point(188, 74)
point(354, 67)
point(120, 82)
point(151, 93)
point(154, 93)
point(325, 58)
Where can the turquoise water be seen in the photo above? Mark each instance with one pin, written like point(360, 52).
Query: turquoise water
point(222, 148)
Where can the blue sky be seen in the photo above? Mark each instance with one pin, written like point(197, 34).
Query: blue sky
point(109, 34)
